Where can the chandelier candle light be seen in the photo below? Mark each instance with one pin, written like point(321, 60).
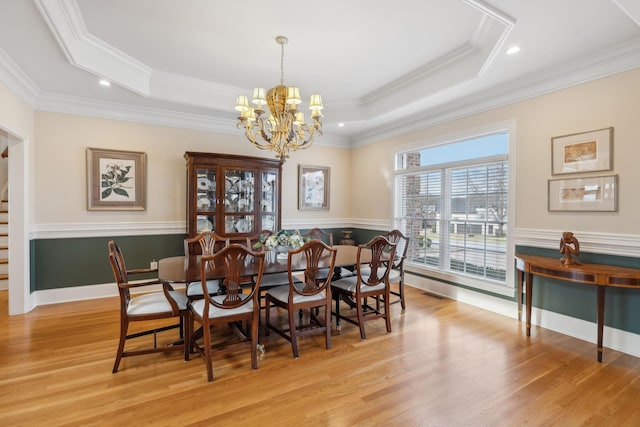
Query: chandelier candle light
point(284, 130)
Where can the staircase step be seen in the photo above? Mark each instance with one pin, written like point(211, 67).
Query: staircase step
point(4, 276)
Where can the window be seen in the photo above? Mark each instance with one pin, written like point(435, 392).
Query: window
point(451, 200)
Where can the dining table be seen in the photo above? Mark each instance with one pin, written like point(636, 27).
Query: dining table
point(186, 268)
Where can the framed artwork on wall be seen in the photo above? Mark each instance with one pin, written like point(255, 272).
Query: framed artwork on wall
point(582, 152)
point(313, 187)
point(592, 194)
point(116, 180)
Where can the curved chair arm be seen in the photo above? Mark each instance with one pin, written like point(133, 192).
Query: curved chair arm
point(147, 283)
point(166, 288)
point(141, 271)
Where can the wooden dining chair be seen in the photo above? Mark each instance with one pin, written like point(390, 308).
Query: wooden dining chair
point(205, 243)
point(396, 273)
point(317, 234)
point(232, 307)
point(311, 294)
point(150, 306)
point(271, 280)
point(371, 280)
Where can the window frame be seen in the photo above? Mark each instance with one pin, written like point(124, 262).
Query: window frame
point(508, 287)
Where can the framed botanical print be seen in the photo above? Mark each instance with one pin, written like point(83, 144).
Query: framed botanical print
point(116, 180)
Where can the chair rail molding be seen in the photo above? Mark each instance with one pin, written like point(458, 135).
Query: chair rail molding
point(107, 229)
point(604, 243)
point(308, 223)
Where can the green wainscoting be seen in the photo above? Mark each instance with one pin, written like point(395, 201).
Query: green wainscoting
point(622, 306)
point(61, 263)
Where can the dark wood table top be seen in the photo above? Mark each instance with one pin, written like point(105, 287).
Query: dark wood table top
point(181, 269)
point(595, 274)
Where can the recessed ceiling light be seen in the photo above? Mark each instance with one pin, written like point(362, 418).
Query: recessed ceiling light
point(104, 82)
point(340, 125)
point(513, 50)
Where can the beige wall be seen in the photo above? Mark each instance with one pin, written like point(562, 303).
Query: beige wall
point(612, 101)
point(60, 162)
point(15, 115)
point(17, 120)
point(360, 178)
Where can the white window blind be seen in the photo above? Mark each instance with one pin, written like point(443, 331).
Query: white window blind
point(455, 210)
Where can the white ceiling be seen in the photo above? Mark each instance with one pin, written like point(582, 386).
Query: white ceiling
point(382, 67)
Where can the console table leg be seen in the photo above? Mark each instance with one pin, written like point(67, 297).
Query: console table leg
point(529, 300)
point(601, 291)
point(520, 280)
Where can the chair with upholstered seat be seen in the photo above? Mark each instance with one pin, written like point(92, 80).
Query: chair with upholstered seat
point(311, 294)
point(151, 306)
point(371, 280)
point(205, 243)
point(233, 306)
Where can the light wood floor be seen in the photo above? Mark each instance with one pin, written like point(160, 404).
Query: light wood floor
point(444, 364)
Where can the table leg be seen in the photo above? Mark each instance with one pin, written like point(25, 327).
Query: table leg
point(520, 280)
point(529, 299)
point(601, 290)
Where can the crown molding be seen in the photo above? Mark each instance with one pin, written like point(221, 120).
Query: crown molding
point(612, 61)
point(88, 52)
point(57, 103)
point(631, 8)
point(457, 66)
point(17, 81)
point(624, 57)
point(84, 50)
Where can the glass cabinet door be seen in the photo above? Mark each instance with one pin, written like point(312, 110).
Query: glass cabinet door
point(269, 201)
point(239, 199)
point(206, 200)
point(233, 196)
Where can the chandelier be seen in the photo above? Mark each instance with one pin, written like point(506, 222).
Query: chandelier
point(285, 129)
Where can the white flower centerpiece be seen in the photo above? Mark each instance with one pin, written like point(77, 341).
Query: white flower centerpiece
point(282, 242)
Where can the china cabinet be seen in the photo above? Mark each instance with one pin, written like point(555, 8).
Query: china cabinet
point(232, 195)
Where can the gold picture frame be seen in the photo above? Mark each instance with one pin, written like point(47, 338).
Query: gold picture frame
point(313, 187)
point(590, 194)
point(582, 152)
point(116, 180)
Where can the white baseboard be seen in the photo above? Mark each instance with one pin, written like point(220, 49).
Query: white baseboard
point(616, 339)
